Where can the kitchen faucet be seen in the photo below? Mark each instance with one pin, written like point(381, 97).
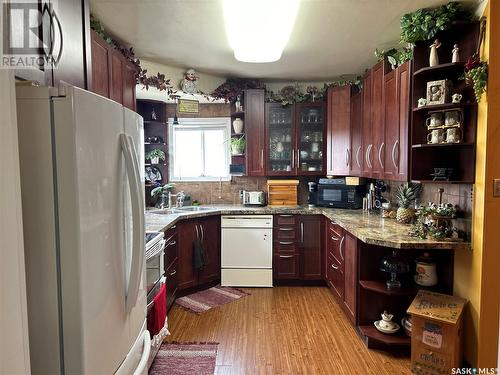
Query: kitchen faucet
point(180, 199)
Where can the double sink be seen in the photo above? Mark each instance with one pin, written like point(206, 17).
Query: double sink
point(183, 210)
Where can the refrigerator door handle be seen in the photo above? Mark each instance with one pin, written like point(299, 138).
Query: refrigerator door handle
point(145, 355)
point(132, 166)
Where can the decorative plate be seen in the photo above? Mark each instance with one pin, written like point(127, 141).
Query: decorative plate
point(153, 174)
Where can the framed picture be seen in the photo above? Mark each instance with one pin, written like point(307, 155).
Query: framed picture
point(438, 92)
point(188, 106)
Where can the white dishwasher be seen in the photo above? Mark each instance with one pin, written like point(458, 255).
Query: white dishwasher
point(247, 250)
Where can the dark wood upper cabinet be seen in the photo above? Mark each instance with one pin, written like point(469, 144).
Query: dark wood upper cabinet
point(100, 66)
point(391, 123)
point(73, 17)
point(339, 131)
point(113, 76)
point(356, 164)
point(397, 111)
point(129, 83)
point(310, 245)
point(255, 132)
point(366, 125)
point(377, 119)
point(116, 78)
point(295, 139)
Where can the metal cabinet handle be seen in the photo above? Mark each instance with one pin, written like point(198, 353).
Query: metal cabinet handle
point(173, 273)
point(293, 158)
point(262, 158)
point(202, 233)
point(286, 256)
point(335, 238)
point(173, 227)
point(333, 266)
point(298, 157)
point(286, 243)
point(347, 157)
point(368, 156)
point(341, 247)
point(171, 243)
point(197, 232)
point(286, 229)
point(302, 232)
point(357, 157)
point(382, 146)
point(396, 145)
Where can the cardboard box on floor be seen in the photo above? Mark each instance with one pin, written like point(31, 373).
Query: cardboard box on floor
point(436, 335)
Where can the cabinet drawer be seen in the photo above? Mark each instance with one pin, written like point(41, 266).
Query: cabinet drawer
point(171, 250)
point(286, 266)
point(335, 246)
point(335, 229)
point(335, 278)
point(171, 282)
point(285, 233)
point(284, 219)
point(171, 231)
point(287, 246)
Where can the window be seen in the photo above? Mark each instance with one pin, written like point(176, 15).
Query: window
point(199, 149)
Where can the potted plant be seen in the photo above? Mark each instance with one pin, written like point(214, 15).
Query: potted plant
point(237, 145)
point(160, 194)
point(405, 196)
point(155, 155)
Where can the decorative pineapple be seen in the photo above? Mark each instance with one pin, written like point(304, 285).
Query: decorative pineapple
point(406, 195)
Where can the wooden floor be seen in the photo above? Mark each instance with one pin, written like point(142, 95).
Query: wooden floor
point(283, 330)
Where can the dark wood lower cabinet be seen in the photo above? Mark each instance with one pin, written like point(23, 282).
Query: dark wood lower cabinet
point(210, 233)
point(297, 247)
point(171, 282)
point(208, 230)
point(310, 231)
point(341, 267)
point(350, 275)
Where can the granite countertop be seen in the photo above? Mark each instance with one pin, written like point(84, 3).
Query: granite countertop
point(369, 228)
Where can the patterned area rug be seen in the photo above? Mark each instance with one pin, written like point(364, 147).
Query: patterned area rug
point(185, 359)
point(208, 299)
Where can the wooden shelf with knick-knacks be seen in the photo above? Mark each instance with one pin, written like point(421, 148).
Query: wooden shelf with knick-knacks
point(444, 114)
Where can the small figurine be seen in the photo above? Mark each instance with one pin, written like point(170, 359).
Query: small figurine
point(190, 82)
point(434, 58)
point(455, 57)
point(436, 93)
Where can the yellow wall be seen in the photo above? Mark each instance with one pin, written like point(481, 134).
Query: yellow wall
point(476, 271)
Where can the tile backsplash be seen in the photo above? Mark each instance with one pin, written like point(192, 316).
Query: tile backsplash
point(227, 192)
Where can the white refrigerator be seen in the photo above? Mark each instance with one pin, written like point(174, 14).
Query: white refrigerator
point(81, 158)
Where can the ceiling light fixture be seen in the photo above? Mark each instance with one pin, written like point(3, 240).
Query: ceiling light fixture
point(258, 30)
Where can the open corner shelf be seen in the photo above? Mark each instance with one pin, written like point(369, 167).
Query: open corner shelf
point(445, 106)
point(396, 339)
point(441, 68)
point(461, 144)
point(443, 181)
point(379, 287)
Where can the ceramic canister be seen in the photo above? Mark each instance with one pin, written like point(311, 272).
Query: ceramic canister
point(238, 125)
point(426, 274)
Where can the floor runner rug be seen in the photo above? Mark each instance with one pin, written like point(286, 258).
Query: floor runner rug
point(208, 299)
point(185, 359)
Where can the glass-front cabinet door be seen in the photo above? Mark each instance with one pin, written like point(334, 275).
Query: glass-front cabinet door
point(281, 136)
point(310, 120)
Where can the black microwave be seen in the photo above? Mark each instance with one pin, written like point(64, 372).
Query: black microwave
point(341, 196)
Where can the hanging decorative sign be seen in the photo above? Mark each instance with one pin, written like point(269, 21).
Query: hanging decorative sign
point(188, 106)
